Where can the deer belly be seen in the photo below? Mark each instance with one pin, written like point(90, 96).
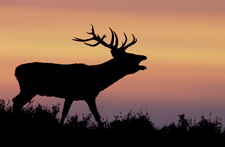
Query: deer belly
point(55, 90)
point(63, 91)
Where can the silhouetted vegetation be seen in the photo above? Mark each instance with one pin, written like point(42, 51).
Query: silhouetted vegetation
point(38, 125)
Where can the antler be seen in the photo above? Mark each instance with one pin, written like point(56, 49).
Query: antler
point(100, 40)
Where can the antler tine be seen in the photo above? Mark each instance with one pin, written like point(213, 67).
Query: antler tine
point(116, 44)
point(92, 45)
point(112, 40)
point(82, 40)
point(123, 44)
point(92, 31)
point(131, 43)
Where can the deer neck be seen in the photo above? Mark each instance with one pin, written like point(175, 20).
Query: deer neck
point(111, 72)
point(113, 68)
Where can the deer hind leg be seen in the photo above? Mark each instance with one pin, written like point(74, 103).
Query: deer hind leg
point(92, 105)
point(21, 99)
point(66, 108)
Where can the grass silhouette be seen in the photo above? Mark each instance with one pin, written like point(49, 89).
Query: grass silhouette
point(38, 125)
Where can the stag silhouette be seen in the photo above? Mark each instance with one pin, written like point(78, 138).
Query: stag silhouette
point(77, 81)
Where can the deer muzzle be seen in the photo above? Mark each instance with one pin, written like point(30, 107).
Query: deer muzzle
point(141, 67)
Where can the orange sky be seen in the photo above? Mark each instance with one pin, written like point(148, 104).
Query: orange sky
point(183, 40)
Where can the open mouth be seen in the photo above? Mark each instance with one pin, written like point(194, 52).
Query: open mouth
point(141, 67)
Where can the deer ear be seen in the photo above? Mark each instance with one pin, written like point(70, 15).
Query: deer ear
point(114, 54)
point(117, 53)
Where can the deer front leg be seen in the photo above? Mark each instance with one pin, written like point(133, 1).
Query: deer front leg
point(66, 108)
point(92, 106)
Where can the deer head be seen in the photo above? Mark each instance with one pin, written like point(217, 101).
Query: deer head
point(126, 61)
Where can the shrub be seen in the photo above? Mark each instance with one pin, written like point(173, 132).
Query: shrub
point(132, 121)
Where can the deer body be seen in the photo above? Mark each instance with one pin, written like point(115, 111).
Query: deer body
point(75, 81)
point(69, 80)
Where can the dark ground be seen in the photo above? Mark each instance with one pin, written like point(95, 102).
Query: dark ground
point(38, 126)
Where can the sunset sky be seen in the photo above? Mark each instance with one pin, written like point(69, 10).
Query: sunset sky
point(184, 41)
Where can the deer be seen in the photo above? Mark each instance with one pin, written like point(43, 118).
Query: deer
point(74, 82)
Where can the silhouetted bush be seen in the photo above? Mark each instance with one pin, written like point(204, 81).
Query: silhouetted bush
point(132, 121)
point(37, 125)
point(84, 123)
